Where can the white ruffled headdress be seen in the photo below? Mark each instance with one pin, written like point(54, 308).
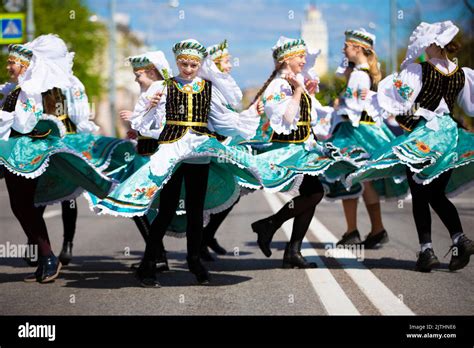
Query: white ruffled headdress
point(286, 47)
point(156, 58)
point(50, 66)
point(425, 34)
point(222, 81)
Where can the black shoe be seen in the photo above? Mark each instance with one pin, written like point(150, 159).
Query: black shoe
point(198, 269)
point(373, 239)
point(462, 252)
point(34, 277)
point(216, 247)
point(146, 274)
point(350, 238)
point(66, 253)
point(29, 260)
point(293, 258)
point(162, 262)
point(265, 229)
point(50, 267)
point(205, 255)
point(427, 260)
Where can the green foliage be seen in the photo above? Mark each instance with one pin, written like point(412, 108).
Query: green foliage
point(70, 20)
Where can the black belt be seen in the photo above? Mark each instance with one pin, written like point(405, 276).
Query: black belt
point(146, 146)
point(33, 134)
point(407, 123)
point(364, 118)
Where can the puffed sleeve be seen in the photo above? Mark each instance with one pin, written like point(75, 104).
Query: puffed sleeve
point(397, 92)
point(28, 111)
point(466, 96)
point(279, 103)
point(79, 109)
point(358, 81)
point(230, 123)
point(149, 121)
point(321, 117)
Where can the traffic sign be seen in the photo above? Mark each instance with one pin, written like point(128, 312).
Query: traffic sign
point(12, 28)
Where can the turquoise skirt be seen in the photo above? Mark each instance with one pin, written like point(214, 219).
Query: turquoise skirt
point(65, 167)
point(230, 168)
point(368, 139)
point(427, 153)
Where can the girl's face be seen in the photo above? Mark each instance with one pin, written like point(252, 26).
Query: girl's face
point(224, 64)
point(434, 51)
point(14, 70)
point(296, 63)
point(188, 69)
point(145, 78)
point(351, 51)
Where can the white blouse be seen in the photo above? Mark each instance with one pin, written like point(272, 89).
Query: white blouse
point(143, 117)
point(29, 111)
point(398, 92)
point(78, 107)
point(352, 103)
point(280, 106)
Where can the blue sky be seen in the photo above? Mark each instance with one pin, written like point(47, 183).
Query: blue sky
point(253, 26)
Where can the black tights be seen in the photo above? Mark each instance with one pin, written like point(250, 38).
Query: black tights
point(215, 222)
point(195, 182)
point(22, 193)
point(433, 194)
point(69, 211)
point(301, 208)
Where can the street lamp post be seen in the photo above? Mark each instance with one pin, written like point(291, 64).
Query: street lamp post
point(30, 21)
point(112, 54)
point(393, 35)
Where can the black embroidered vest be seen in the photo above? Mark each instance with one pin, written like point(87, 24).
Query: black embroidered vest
point(55, 103)
point(186, 110)
point(301, 134)
point(10, 101)
point(435, 86)
point(146, 146)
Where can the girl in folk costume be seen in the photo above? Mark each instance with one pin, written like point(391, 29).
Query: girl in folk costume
point(150, 71)
point(292, 111)
point(32, 142)
point(436, 154)
point(359, 123)
point(105, 153)
point(192, 109)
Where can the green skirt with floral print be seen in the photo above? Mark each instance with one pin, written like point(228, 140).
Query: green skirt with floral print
point(230, 167)
point(426, 153)
point(65, 167)
point(369, 138)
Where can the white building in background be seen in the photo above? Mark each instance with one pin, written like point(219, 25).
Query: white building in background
point(314, 32)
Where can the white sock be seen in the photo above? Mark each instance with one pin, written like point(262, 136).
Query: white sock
point(456, 236)
point(425, 246)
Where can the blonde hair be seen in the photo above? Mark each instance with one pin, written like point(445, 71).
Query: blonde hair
point(374, 71)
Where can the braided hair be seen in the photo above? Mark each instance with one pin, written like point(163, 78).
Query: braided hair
point(278, 66)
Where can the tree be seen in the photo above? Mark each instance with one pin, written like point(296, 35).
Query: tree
point(70, 20)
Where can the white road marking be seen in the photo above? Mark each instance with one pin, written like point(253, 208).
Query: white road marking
point(333, 298)
point(372, 287)
point(52, 213)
